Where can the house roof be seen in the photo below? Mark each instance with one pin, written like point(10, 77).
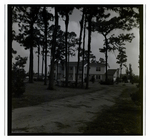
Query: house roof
point(97, 64)
point(74, 63)
point(111, 71)
point(91, 64)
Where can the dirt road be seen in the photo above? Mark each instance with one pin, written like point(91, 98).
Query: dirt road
point(66, 115)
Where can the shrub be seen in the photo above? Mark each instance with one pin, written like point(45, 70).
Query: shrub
point(85, 79)
point(136, 79)
point(125, 79)
point(136, 97)
point(109, 82)
point(118, 80)
point(92, 79)
point(18, 76)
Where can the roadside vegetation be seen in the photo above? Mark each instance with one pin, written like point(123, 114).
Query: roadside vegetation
point(123, 118)
point(37, 93)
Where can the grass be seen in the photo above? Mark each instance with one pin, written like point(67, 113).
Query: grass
point(61, 126)
point(77, 106)
point(37, 93)
point(124, 118)
point(21, 129)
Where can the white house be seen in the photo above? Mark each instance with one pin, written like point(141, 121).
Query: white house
point(96, 69)
point(113, 74)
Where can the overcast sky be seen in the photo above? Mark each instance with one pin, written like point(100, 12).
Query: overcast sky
point(132, 49)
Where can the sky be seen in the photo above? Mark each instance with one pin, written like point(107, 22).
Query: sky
point(132, 49)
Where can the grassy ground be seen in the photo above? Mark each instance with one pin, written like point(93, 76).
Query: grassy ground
point(37, 93)
point(124, 118)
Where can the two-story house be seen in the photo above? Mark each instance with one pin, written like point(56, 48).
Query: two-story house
point(96, 69)
point(113, 74)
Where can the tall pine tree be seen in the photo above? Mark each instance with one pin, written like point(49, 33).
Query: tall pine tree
point(26, 17)
point(122, 58)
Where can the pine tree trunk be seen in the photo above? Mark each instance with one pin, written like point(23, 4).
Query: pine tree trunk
point(45, 22)
point(121, 73)
point(89, 47)
point(68, 63)
point(141, 60)
point(10, 55)
point(106, 76)
point(31, 56)
point(66, 47)
point(57, 70)
point(10, 12)
point(51, 77)
point(141, 49)
point(31, 66)
point(38, 60)
point(83, 51)
point(42, 61)
point(79, 49)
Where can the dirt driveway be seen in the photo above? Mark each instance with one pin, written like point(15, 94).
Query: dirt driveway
point(67, 115)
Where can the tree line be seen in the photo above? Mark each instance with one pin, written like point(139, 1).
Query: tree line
point(39, 27)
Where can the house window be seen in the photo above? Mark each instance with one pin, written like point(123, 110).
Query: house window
point(58, 76)
point(80, 76)
point(98, 69)
point(70, 75)
point(71, 68)
point(97, 76)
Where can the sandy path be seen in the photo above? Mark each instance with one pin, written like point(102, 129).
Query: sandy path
point(66, 115)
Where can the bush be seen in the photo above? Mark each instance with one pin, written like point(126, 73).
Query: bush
point(92, 79)
point(136, 79)
point(125, 79)
point(109, 82)
point(118, 80)
point(18, 87)
point(18, 76)
point(136, 97)
point(85, 79)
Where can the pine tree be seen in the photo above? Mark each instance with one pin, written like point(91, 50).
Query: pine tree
point(130, 73)
point(89, 46)
point(122, 59)
point(105, 26)
point(53, 48)
point(26, 18)
point(18, 76)
point(65, 11)
point(46, 16)
point(83, 52)
point(79, 48)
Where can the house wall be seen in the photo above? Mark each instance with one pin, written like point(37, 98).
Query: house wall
point(93, 70)
point(99, 75)
point(110, 77)
point(71, 75)
point(114, 77)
